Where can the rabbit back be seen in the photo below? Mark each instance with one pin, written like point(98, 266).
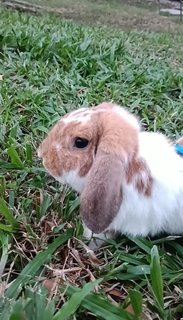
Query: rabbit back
point(162, 210)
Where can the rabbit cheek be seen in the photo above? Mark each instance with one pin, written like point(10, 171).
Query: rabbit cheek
point(53, 171)
point(73, 179)
point(51, 164)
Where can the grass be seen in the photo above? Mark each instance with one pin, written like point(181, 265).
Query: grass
point(47, 67)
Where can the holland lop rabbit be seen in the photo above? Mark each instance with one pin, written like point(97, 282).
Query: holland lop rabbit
point(130, 182)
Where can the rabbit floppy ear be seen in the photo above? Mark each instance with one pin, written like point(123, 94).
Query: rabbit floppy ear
point(102, 196)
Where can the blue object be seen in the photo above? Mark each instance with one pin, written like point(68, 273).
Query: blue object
point(179, 149)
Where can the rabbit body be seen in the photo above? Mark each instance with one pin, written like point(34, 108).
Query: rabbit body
point(130, 182)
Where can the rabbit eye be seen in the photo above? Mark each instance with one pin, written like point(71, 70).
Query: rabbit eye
point(80, 143)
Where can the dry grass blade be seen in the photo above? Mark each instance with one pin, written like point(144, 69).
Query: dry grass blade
point(33, 266)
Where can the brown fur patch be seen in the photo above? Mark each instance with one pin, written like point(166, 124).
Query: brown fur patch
point(115, 134)
point(139, 174)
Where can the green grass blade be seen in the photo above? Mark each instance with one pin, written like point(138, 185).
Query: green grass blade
point(156, 277)
point(2, 186)
point(178, 248)
point(74, 302)
point(15, 159)
point(44, 205)
point(136, 302)
point(74, 206)
point(85, 44)
point(126, 257)
point(6, 227)
point(29, 153)
point(139, 270)
point(17, 312)
point(11, 199)
point(48, 311)
point(7, 213)
point(4, 239)
point(35, 304)
point(101, 307)
point(144, 244)
point(33, 266)
point(44, 308)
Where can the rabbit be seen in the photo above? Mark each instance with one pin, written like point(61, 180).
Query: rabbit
point(130, 181)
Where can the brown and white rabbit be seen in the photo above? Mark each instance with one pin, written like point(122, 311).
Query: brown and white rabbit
point(130, 182)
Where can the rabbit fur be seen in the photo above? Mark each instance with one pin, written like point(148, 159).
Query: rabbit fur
point(130, 181)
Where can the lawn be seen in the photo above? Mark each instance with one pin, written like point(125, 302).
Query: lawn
point(49, 66)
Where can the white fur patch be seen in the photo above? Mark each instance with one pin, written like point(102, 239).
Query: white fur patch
point(39, 152)
point(73, 179)
point(82, 115)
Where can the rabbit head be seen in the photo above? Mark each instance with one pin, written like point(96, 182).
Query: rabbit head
point(89, 149)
